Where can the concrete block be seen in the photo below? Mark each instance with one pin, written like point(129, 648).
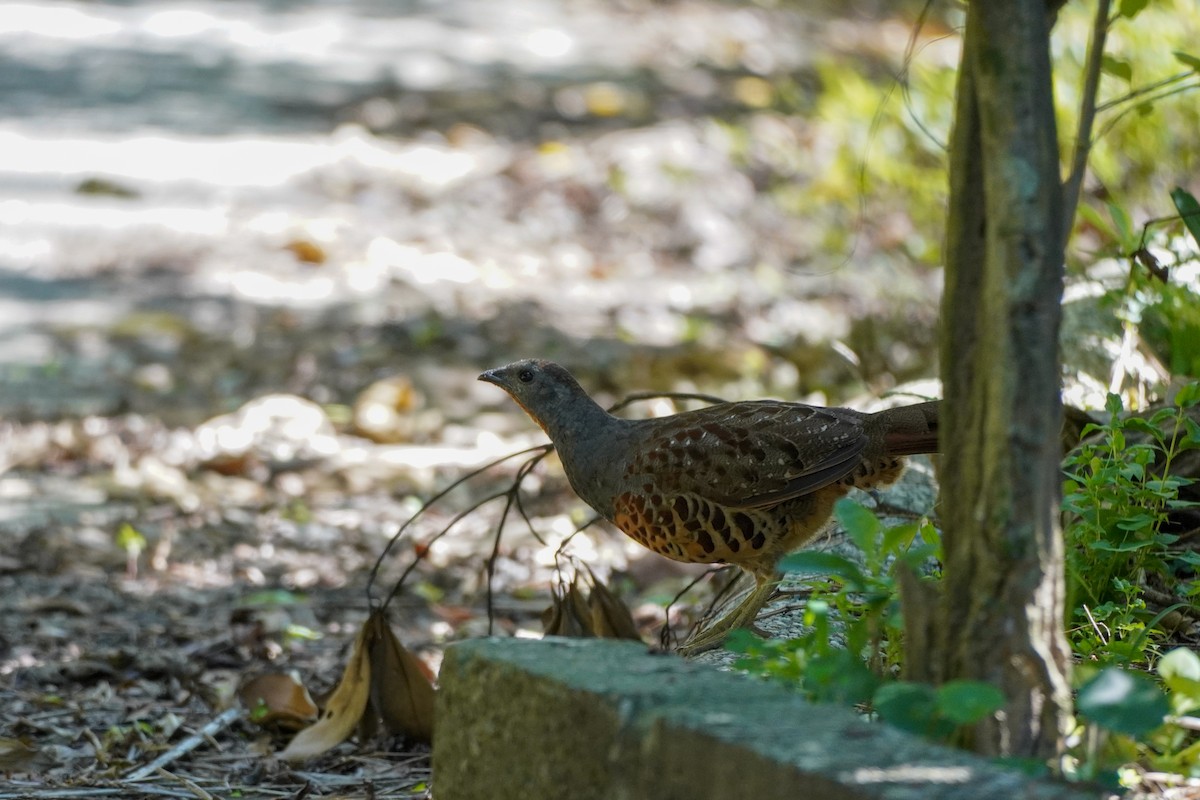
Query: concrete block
point(588, 718)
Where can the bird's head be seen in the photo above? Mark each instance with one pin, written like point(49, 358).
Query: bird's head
point(548, 393)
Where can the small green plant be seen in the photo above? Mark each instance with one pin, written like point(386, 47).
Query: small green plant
point(1154, 304)
point(1131, 718)
point(1117, 496)
point(937, 712)
point(852, 648)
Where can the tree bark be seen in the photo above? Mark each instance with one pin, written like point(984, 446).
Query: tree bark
point(1000, 616)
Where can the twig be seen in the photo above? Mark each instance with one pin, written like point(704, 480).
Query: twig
point(421, 555)
point(911, 51)
point(1095, 625)
point(1143, 90)
point(54, 794)
point(1108, 126)
point(513, 495)
point(191, 785)
point(189, 744)
point(638, 397)
point(425, 507)
point(1087, 116)
point(665, 634)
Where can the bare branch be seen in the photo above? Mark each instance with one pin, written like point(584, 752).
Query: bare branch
point(1087, 116)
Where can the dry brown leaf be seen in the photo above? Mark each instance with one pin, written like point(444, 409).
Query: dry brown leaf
point(17, 755)
point(306, 251)
point(552, 617)
point(568, 614)
point(577, 605)
point(611, 618)
point(401, 689)
point(344, 709)
point(277, 701)
point(600, 613)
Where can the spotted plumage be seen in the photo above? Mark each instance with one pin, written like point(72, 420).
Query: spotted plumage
point(738, 483)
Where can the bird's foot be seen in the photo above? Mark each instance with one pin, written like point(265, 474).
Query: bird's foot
point(742, 616)
point(702, 641)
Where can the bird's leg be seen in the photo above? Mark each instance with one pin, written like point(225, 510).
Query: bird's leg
point(741, 616)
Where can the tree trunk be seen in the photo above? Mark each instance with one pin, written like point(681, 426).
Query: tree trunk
point(1000, 615)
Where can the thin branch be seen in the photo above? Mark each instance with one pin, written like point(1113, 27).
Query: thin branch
point(638, 397)
point(513, 495)
point(428, 503)
point(1143, 90)
point(421, 555)
point(910, 54)
point(1087, 116)
point(1153, 99)
point(1155, 221)
point(188, 783)
point(664, 635)
point(222, 720)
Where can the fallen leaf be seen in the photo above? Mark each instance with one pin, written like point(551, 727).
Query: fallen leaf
point(386, 411)
point(345, 708)
point(105, 188)
point(401, 685)
point(568, 614)
point(17, 755)
point(306, 251)
point(611, 618)
point(278, 701)
point(601, 613)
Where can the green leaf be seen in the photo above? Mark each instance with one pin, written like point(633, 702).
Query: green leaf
point(1123, 701)
point(899, 537)
point(742, 640)
point(839, 677)
point(1189, 210)
point(1193, 428)
point(967, 702)
point(1125, 237)
point(932, 538)
point(1181, 663)
point(1189, 395)
point(1112, 403)
point(1122, 547)
point(860, 523)
point(1091, 216)
point(130, 539)
point(814, 562)
point(1180, 671)
point(909, 706)
point(1187, 59)
point(1136, 522)
point(1131, 8)
point(1117, 67)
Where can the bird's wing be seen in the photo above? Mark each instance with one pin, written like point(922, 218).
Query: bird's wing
point(749, 454)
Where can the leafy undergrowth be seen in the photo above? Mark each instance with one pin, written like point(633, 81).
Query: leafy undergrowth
point(1132, 573)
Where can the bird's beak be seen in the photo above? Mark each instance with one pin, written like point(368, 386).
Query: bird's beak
point(492, 376)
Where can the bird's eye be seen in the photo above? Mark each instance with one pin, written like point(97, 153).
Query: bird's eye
point(525, 376)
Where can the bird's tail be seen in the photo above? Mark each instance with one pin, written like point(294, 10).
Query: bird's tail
point(908, 430)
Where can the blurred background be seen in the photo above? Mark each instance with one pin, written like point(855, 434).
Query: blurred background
point(205, 201)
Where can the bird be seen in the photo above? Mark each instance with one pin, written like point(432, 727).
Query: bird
point(741, 483)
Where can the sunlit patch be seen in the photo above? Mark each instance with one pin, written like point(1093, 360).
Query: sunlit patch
point(53, 21)
point(419, 266)
point(549, 43)
point(156, 160)
point(178, 22)
point(256, 285)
